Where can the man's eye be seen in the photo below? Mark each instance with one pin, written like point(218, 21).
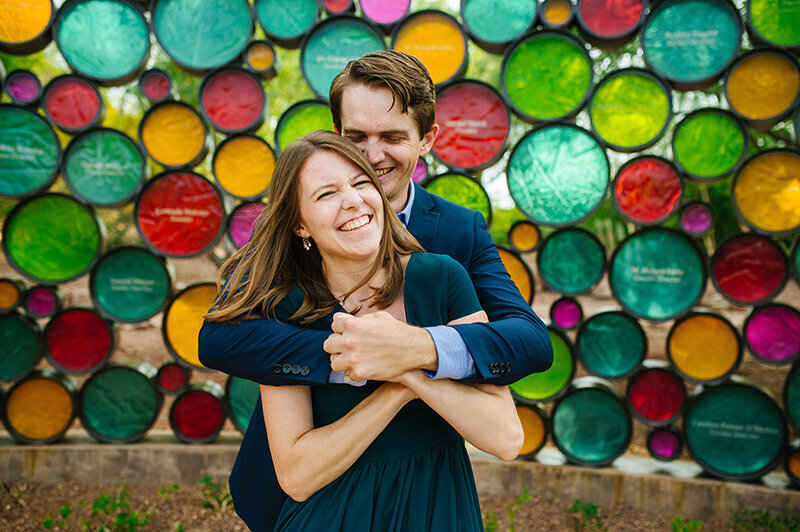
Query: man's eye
point(355, 140)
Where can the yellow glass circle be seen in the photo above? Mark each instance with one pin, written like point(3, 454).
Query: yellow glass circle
point(519, 273)
point(557, 12)
point(243, 166)
point(173, 134)
point(23, 20)
point(436, 41)
point(767, 192)
point(260, 56)
point(9, 294)
point(184, 319)
point(39, 409)
point(704, 347)
point(763, 86)
point(524, 236)
point(533, 428)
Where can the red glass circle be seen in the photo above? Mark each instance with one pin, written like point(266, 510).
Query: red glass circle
point(749, 268)
point(155, 86)
point(72, 103)
point(647, 190)
point(172, 377)
point(78, 340)
point(656, 395)
point(232, 100)
point(197, 415)
point(180, 214)
point(610, 18)
point(337, 6)
point(473, 125)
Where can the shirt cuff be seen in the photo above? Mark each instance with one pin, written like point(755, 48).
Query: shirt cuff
point(338, 377)
point(455, 360)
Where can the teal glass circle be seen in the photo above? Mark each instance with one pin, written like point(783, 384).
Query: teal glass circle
point(657, 274)
point(571, 261)
point(778, 23)
point(21, 349)
point(104, 167)
point(611, 344)
point(331, 45)
point(130, 285)
point(546, 76)
point(462, 190)
point(30, 152)
point(558, 174)
point(591, 426)
point(52, 238)
point(202, 35)
point(551, 383)
point(509, 20)
point(795, 260)
point(241, 396)
point(118, 404)
point(103, 39)
point(709, 144)
point(735, 431)
point(686, 48)
point(630, 110)
point(300, 119)
point(286, 19)
point(791, 396)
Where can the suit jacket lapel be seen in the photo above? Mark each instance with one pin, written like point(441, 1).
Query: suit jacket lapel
point(424, 221)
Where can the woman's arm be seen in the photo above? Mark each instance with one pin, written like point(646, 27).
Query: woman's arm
point(306, 458)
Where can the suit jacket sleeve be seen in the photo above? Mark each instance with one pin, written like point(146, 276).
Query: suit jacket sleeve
point(515, 343)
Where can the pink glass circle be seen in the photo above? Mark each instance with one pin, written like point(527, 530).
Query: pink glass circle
point(243, 222)
point(41, 302)
point(773, 333)
point(566, 313)
point(23, 87)
point(155, 86)
point(385, 11)
point(233, 100)
point(420, 171)
point(696, 219)
point(664, 444)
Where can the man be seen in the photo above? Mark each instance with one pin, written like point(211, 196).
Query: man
point(385, 103)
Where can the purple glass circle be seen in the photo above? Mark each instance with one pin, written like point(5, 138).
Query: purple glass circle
point(773, 333)
point(420, 171)
point(664, 444)
point(23, 87)
point(385, 11)
point(243, 221)
point(566, 313)
point(41, 302)
point(696, 219)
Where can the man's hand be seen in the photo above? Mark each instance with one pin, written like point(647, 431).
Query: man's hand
point(378, 347)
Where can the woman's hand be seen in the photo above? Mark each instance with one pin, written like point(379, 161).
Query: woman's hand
point(403, 391)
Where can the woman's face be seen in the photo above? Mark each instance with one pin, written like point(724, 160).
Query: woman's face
point(340, 209)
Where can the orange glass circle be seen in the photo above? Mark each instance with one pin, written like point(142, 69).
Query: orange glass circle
point(9, 294)
point(767, 192)
point(184, 319)
point(39, 409)
point(763, 86)
point(243, 166)
point(173, 134)
point(794, 464)
point(260, 57)
point(534, 429)
point(704, 347)
point(524, 236)
point(557, 12)
point(437, 41)
point(519, 273)
point(23, 20)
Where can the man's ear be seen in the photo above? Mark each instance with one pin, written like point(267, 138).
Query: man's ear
point(428, 139)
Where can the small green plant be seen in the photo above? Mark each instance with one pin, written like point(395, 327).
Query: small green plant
point(585, 514)
point(109, 513)
point(216, 497)
point(678, 524)
point(761, 520)
point(64, 514)
point(167, 490)
point(490, 522)
point(179, 527)
point(516, 506)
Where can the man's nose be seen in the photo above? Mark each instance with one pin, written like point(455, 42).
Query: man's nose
point(373, 150)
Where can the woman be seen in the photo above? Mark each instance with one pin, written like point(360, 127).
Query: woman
point(373, 456)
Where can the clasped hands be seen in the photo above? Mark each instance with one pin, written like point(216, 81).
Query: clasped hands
point(377, 346)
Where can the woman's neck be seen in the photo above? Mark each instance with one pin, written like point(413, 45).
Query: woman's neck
point(342, 278)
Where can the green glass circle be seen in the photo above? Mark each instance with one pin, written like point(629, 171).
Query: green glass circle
point(20, 347)
point(776, 22)
point(103, 39)
point(242, 396)
point(29, 152)
point(686, 48)
point(547, 76)
point(104, 168)
point(130, 285)
point(286, 19)
point(657, 274)
point(571, 261)
point(734, 430)
point(202, 35)
point(791, 395)
point(708, 144)
point(118, 404)
point(463, 191)
point(52, 238)
point(611, 344)
point(548, 384)
point(796, 260)
point(509, 20)
point(558, 175)
point(301, 119)
point(591, 426)
point(629, 110)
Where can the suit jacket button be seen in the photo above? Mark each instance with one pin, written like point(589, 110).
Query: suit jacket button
point(304, 371)
point(295, 370)
point(287, 368)
point(276, 368)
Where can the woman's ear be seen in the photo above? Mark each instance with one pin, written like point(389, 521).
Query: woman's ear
point(300, 231)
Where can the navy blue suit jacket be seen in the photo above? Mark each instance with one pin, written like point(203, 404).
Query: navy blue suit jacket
point(513, 345)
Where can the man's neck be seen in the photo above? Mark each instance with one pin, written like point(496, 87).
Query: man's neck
point(399, 203)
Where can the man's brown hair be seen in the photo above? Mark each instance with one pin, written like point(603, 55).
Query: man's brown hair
point(404, 75)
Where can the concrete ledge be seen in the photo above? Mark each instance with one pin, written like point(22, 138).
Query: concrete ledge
point(677, 488)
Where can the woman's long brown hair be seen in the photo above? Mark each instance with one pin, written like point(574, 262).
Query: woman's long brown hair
point(260, 274)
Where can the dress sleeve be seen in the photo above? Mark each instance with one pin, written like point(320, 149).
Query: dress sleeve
point(462, 300)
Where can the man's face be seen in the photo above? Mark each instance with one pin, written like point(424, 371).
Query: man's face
point(388, 138)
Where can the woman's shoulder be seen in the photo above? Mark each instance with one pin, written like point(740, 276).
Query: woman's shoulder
point(433, 262)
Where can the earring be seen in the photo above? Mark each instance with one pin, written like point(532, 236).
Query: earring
point(306, 243)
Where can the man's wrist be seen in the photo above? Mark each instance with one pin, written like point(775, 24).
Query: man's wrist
point(428, 357)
